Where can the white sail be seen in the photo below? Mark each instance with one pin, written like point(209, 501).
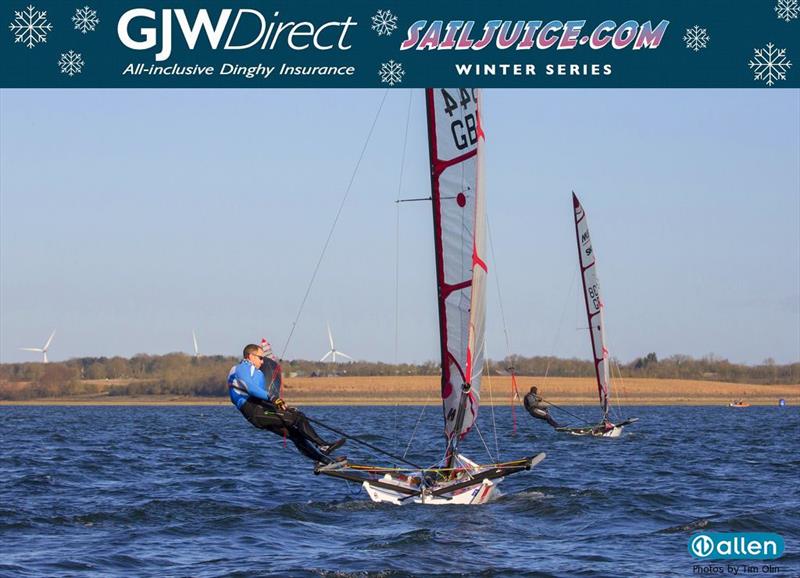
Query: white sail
point(456, 149)
point(593, 300)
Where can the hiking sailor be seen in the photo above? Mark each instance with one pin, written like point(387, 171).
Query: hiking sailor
point(261, 405)
point(537, 408)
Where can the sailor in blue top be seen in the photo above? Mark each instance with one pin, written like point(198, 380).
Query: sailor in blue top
point(261, 405)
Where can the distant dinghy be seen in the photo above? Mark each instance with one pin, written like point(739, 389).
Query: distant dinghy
point(594, 311)
point(455, 145)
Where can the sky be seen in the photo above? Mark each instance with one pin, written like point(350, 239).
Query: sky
point(129, 219)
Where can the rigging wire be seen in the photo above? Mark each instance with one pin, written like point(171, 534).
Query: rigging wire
point(569, 413)
point(333, 225)
point(616, 389)
point(397, 267)
point(396, 429)
point(497, 284)
point(612, 366)
point(459, 465)
point(488, 452)
point(560, 322)
point(569, 296)
point(397, 235)
point(491, 402)
point(514, 391)
point(416, 425)
point(362, 442)
point(397, 261)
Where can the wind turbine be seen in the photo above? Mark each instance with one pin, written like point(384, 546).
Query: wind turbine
point(43, 349)
point(333, 351)
point(194, 340)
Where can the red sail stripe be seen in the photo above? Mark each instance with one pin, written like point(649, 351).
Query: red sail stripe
point(439, 165)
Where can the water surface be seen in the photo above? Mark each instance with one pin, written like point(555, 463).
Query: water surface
point(196, 491)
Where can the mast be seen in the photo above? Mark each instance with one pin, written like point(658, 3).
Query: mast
point(594, 304)
point(455, 142)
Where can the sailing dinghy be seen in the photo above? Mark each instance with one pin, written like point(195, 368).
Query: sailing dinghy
point(455, 142)
point(594, 310)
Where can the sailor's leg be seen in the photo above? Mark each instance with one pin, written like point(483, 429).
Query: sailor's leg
point(306, 448)
point(552, 422)
point(262, 418)
point(296, 420)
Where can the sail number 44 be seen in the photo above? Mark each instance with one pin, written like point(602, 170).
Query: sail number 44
point(465, 128)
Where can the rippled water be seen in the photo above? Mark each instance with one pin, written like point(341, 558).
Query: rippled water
point(196, 491)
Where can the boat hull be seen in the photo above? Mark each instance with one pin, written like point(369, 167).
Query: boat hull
point(599, 431)
point(470, 484)
point(476, 494)
point(614, 432)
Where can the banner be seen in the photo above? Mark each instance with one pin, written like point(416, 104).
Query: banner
point(229, 43)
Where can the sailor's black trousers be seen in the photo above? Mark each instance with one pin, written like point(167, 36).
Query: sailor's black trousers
point(265, 415)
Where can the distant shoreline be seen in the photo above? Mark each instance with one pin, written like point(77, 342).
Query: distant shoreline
point(192, 402)
point(424, 390)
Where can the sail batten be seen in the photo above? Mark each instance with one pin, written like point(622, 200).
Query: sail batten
point(593, 301)
point(455, 145)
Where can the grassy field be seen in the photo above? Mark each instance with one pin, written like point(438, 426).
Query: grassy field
point(575, 391)
point(419, 390)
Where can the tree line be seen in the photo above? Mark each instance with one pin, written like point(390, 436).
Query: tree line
point(181, 374)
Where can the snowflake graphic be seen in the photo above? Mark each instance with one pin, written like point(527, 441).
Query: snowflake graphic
point(391, 73)
point(696, 38)
point(787, 10)
point(770, 64)
point(30, 26)
point(384, 22)
point(71, 63)
point(85, 19)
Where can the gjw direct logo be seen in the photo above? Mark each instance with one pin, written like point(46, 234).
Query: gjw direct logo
point(736, 546)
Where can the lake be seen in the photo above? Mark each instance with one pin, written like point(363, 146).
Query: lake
point(197, 491)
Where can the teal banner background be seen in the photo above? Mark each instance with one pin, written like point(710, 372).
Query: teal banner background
point(734, 31)
point(735, 545)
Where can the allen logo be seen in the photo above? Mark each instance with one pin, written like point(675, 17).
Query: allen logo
point(736, 546)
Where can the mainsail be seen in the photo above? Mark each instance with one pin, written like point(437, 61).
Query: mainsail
point(456, 143)
point(594, 303)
